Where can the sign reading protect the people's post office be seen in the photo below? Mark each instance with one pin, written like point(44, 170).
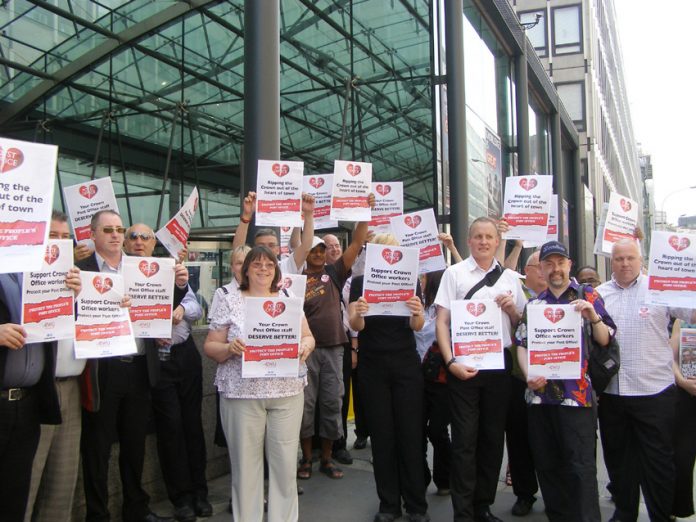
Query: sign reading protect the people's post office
point(320, 186)
point(477, 334)
point(86, 199)
point(174, 235)
point(150, 285)
point(554, 345)
point(419, 229)
point(352, 183)
point(526, 207)
point(279, 193)
point(389, 203)
point(672, 269)
point(391, 276)
point(621, 221)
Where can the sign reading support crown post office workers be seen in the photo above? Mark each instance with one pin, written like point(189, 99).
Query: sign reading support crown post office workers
point(391, 275)
point(85, 200)
point(419, 229)
point(27, 175)
point(174, 235)
point(320, 186)
point(150, 285)
point(279, 193)
point(477, 334)
point(554, 345)
point(621, 222)
point(272, 332)
point(352, 184)
point(526, 207)
point(672, 269)
point(102, 326)
point(389, 203)
point(48, 305)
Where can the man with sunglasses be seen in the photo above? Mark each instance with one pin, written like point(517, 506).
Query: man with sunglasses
point(177, 398)
point(119, 400)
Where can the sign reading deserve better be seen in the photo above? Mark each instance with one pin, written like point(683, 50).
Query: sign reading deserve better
point(477, 333)
point(553, 341)
point(621, 221)
point(86, 199)
point(419, 230)
point(391, 275)
point(672, 269)
point(389, 203)
point(150, 285)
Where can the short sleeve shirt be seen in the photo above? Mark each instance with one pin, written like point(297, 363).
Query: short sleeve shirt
point(322, 305)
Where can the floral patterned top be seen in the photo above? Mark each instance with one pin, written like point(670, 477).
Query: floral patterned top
point(227, 312)
point(568, 392)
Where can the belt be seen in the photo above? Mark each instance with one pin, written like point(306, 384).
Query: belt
point(68, 378)
point(14, 394)
point(126, 358)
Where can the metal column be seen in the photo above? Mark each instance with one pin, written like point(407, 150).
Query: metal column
point(578, 212)
point(557, 169)
point(456, 119)
point(522, 106)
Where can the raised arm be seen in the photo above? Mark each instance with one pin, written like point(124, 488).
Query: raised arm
point(300, 253)
point(448, 241)
point(351, 253)
point(247, 212)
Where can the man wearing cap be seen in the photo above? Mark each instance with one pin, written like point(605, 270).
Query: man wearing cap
point(562, 422)
point(324, 390)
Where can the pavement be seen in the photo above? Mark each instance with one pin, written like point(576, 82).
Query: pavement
point(354, 498)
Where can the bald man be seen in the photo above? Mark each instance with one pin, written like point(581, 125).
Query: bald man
point(334, 250)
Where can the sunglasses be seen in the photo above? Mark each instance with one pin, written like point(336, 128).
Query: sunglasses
point(111, 230)
point(143, 236)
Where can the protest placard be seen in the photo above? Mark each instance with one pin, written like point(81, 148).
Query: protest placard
point(294, 284)
point(419, 229)
point(526, 207)
point(391, 275)
point(272, 332)
point(150, 285)
point(672, 269)
point(320, 186)
point(600, 232)
point(352, 184)
point(279, 193)
point(285, 235)
point(27, 175)
point(389, 203)
point(102, 326)
point(554, 345)
point(687, 352)
point(174, 235)
point(48, 305)
point(552, 228)
point(477, 334)
point(621, 221)
point(86, 199)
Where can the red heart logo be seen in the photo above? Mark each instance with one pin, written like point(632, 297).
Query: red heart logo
point(527, 183)
point(625, 205)
point(102, 284)
point(353, 170)
point(316, 182)
point(52, 254)
point(273, 309)
point(412, 221)
point(10, 159)
point(475, 309)
point(383, 189)
point(392, 256)
point(148, 269)
point(280, 170)
point(554, 315)
point(88, 191)
point(679, 243)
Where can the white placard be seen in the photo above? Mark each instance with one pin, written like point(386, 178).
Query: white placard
point(621, 222)
point(27, 175)
point(149, 283)
point(352, 183)
point(272, 331)
point(391, 275)
point(554, 343)
point(672, 269)
point(477, 334)
point(320, 186)
point(526, 207)
point(419, 230)
point(285, 236)
point(389, 203)
point(294, 284)
point(552, 229)
point(687, 352)
point(85, 200)
point(48, 305)
point(600, 232)
point(279, 193)
point(174, 235)
point(102, 327)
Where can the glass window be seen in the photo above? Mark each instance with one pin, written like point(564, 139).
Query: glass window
point(573, 97)
point(536, 34)
point(567, 29)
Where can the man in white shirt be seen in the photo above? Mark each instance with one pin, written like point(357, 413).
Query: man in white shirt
point(637, 409)
point(478, 399)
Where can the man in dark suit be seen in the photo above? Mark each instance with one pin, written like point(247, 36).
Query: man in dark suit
point(117, 404)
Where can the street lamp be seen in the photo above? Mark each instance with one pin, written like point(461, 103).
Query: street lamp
point(664, 200)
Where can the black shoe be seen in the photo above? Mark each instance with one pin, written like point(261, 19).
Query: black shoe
point(343, 456)
point(385, 517)
point(184, 513)
point(522, 507)
point(486, 516)
point(360, 443)
point(152, 517)
point(300, 490)
point(418, 517)
point(203, 508)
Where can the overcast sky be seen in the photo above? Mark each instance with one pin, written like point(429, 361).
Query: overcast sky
point(656, 40)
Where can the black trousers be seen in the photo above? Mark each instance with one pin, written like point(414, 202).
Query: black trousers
point(684, 454)
point(478, 408)
point(520, 460)
point(123, 416)
point(176, 403)
point(392, 387)
point(638, 433)
point(436, 421)
point(19, 438)
point(563, 441)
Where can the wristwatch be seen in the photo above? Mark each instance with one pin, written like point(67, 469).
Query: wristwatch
point(450, 362)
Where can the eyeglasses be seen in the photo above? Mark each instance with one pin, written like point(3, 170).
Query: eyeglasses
point(111, 230)
point(143, 236)
point(262, 266)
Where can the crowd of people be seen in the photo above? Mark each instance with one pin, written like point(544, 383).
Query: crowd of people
point(407, 383)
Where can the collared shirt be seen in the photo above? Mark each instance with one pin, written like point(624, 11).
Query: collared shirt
point(192, 312)
point(565, 392)
point(460, 278)
point(646, 356)
point(66, 364)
